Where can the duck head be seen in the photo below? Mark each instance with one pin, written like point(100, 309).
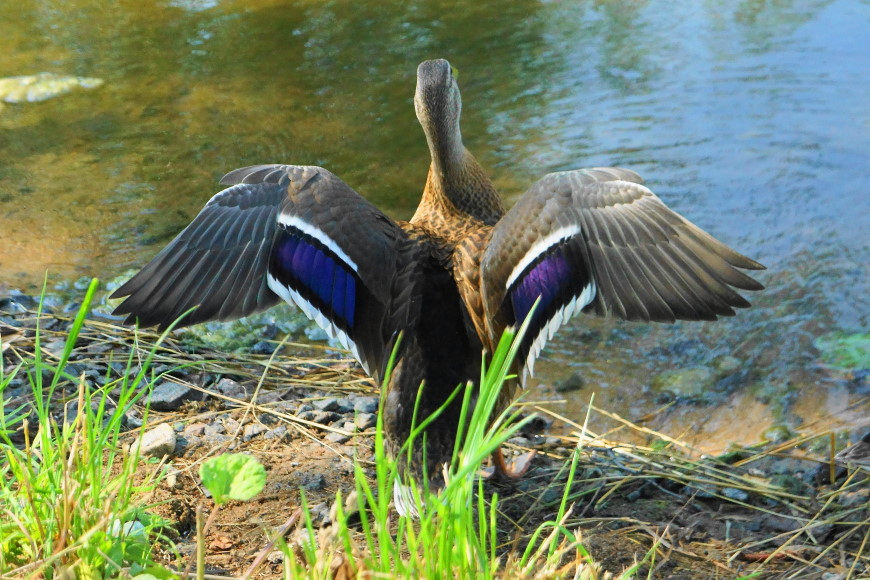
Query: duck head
point(438, 106)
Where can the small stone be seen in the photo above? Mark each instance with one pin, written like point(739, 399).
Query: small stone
point(328, 404)
point(232, 389)
point(366, 405)
point(320, 514)
point(231, 425)
point(337, 437)
point(132, 419)
point(688, 383)
point(172, 474)
point(735, 494)
point(320, 417)
point(253, 430)
point(365, 421)
point(727, 364)
point(212, 430)
point(277, 433)
point(312, 481)
point(195, 429)
point(168, 396)
point(156, 442)
point(572, 383)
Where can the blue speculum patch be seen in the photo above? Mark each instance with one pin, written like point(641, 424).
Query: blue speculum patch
point(546, 278)
point(304, 264)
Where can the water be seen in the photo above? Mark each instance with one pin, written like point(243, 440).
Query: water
point(751, 118)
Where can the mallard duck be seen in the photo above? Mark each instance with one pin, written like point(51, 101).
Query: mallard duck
point(451, 279)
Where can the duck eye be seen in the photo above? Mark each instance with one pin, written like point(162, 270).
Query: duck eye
point(455, 71)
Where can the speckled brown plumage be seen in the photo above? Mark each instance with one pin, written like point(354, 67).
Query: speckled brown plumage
point(452, 278)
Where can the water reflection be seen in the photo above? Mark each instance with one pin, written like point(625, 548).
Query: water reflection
point(747, 117)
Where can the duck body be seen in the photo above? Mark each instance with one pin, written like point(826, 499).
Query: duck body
point(451, 279)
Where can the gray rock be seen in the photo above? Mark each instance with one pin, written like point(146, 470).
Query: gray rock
point(366, 405)
point(168, 396)
point(156, 442)
point(232, 389)
point(213, 430)
point(321, 417)
point(195, 429)
point(735, 494)
point(277, 433)
point(312, 481)
point(364, 421)
point(252, 430)
point(231, 425)
point(327, 404)
point(337, 437)
point(132, 419)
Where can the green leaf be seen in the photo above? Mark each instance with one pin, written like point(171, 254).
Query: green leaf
point(233, 476)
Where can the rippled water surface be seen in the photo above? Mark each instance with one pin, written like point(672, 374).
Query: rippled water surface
point(751, 118)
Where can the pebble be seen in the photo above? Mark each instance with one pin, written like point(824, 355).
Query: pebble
point(232, 389)
point(735, 494)
point(156, 442)
point(336, 404)
point(168, 396)
point(195, 429)
point(365, 405)
point(312, 481)
point(337, 437)
point(365, 421)
point(252, 430)
point(213, 430)
point(277, 433)
point(322, 417)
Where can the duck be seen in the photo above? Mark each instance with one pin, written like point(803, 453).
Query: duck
point(450, 280)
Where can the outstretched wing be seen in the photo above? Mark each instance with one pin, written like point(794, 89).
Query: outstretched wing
point(280, 231)
point(597, 240)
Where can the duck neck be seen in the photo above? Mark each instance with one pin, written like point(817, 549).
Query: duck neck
point(457, 184)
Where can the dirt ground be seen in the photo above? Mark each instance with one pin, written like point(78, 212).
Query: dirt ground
point(775, 509)
point(623, 506)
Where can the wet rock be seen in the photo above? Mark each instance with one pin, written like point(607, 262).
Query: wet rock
point(735, 494)
point(263, 347)
point(570, 384)
point(727, 364)
point(688, 383)
point(850, 499)
point(778, 434)
point(169, 396)
point(156, 442)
